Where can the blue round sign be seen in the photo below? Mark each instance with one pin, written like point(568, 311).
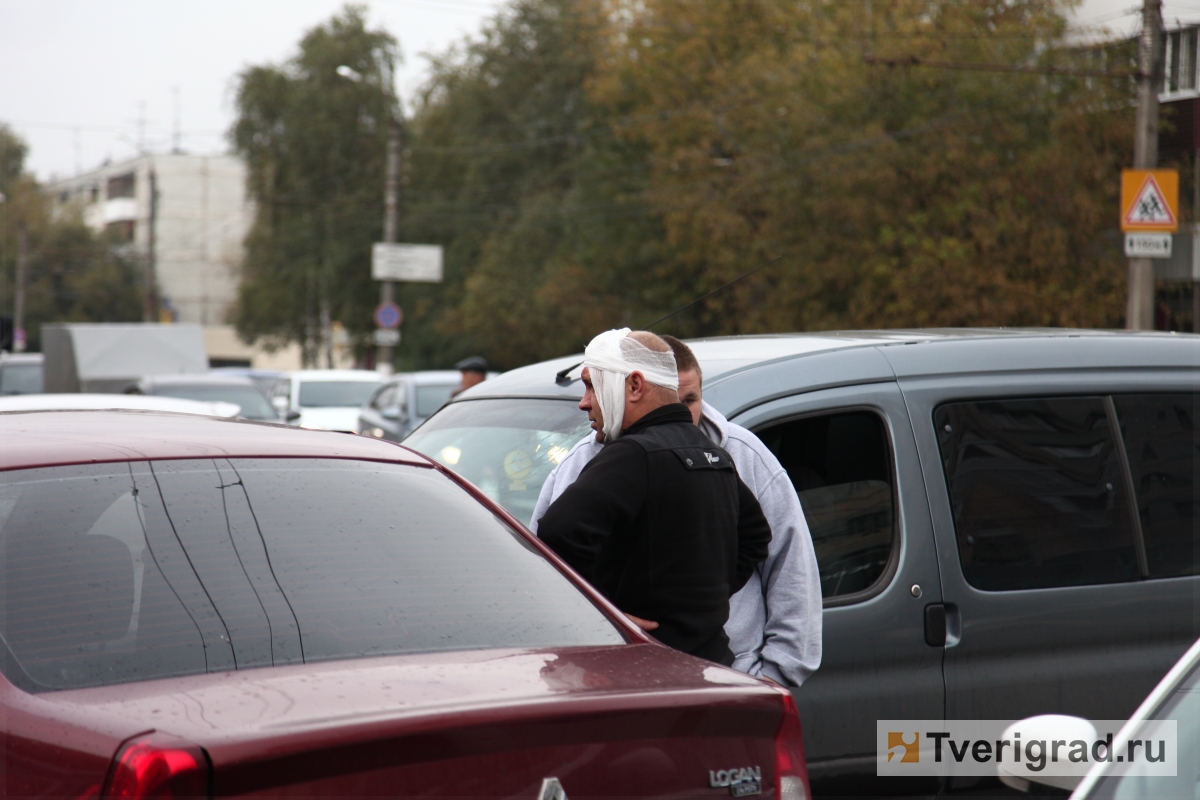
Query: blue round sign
point(388, 316)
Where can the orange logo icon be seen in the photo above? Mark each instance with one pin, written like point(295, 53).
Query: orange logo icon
point(912, 750)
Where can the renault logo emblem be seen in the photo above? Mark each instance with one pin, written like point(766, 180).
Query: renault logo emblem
point(552, 790)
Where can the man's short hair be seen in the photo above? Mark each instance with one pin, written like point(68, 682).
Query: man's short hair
point(685, 359)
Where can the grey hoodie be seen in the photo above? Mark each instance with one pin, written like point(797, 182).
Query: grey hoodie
point(774, 625)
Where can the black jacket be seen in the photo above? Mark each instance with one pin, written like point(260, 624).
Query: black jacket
point(662, 525)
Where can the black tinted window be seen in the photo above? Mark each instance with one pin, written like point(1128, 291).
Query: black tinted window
point(841, 468)
point(1163, 448)
point(129, 572)
point(1037, 493)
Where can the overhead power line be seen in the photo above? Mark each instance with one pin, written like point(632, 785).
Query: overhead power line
point(916, 61)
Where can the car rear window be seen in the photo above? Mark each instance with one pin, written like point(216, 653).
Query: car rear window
point(129, 572)
point(335, 394)
point(251, 401)
point(505, 446)
point(432, 397)
point(21, 379)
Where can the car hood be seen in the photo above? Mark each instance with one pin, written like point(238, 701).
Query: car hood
point(233, 714)
point(331, 419)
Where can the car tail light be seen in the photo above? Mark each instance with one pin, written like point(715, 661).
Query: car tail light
point(791, 773)
point(156, 765)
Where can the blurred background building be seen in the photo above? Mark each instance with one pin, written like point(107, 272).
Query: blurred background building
point(192, 232)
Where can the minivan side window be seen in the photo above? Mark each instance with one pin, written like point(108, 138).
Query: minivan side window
point(1159, 432)
point(1037, 492)
point(841, 467)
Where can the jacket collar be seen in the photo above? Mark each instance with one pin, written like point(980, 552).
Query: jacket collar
point(714, 424)
point(670, 413)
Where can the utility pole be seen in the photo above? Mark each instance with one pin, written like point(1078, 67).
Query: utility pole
point(391, 222)
point(1139, 312)
point(150, 301)
point(22, 279)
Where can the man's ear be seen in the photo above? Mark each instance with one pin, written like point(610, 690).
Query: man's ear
point(637, 385)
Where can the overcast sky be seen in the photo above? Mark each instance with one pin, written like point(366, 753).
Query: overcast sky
point(76, 76)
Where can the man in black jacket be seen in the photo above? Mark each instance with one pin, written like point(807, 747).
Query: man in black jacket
point(659, 521)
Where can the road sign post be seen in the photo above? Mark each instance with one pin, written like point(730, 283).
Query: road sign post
point(390, 263)
point(1149, 216)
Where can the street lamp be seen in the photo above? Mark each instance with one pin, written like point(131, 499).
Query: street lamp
point(391, 204)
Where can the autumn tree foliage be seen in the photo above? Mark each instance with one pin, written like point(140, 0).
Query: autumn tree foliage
point(596, 163)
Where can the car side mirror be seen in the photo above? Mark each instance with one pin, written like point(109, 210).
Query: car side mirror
point(292, 416)
point(1046, 728)
point(394, 413)
point(280, 402)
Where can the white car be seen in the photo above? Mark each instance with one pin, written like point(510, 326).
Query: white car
point(104, 402)
point(1171, 710)
point(330, 399)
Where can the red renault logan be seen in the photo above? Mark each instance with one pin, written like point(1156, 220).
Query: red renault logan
point(209, 608)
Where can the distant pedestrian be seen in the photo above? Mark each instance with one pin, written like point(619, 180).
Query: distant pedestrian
point(775, 621)
point(658, 520)
point(473, 371)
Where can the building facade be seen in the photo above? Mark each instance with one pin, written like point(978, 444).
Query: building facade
point(197, 222)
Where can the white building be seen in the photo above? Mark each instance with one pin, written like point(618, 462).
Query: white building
point(200, 220)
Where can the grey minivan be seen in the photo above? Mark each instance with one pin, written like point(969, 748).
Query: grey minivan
point(1006, 521)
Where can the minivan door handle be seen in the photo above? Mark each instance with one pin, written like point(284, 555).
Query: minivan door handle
point(943, 626)
point(935, 625)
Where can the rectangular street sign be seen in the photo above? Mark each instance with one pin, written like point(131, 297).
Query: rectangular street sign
point(406, 262)
point(386, 338)
point(1148, 245)
point(1149, 200)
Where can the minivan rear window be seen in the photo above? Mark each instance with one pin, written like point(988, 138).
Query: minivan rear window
point(1163, 449)
point(127, 572)
point(1037, 492)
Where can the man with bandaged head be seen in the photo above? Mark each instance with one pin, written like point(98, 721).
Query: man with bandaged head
point(659, 520)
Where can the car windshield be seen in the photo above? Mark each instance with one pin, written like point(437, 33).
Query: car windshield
point(336, 394)
point(252, 402)
point(506, 447)
point(156, 569)
point(20, 378)
point(431, 398)
point(1182, 706)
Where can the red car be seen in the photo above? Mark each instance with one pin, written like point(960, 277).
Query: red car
point(205, 607)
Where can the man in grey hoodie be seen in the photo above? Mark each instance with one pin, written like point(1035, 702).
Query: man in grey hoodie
point(774, 624)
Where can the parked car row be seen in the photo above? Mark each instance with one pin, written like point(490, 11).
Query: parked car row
point(1007, 523)
point(359, 401)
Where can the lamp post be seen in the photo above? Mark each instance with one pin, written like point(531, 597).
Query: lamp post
point(391, 204)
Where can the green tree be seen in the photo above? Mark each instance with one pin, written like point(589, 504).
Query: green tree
point(315, 147)
point(534, 198)
point(899, 196)
point(74, 274)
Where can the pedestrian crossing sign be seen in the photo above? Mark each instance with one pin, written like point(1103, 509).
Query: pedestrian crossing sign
point(1149, 200)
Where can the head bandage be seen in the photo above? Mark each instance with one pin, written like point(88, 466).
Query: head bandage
point(610, 358)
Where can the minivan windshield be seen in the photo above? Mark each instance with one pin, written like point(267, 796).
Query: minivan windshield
point(153, 569)
point(505, 446)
